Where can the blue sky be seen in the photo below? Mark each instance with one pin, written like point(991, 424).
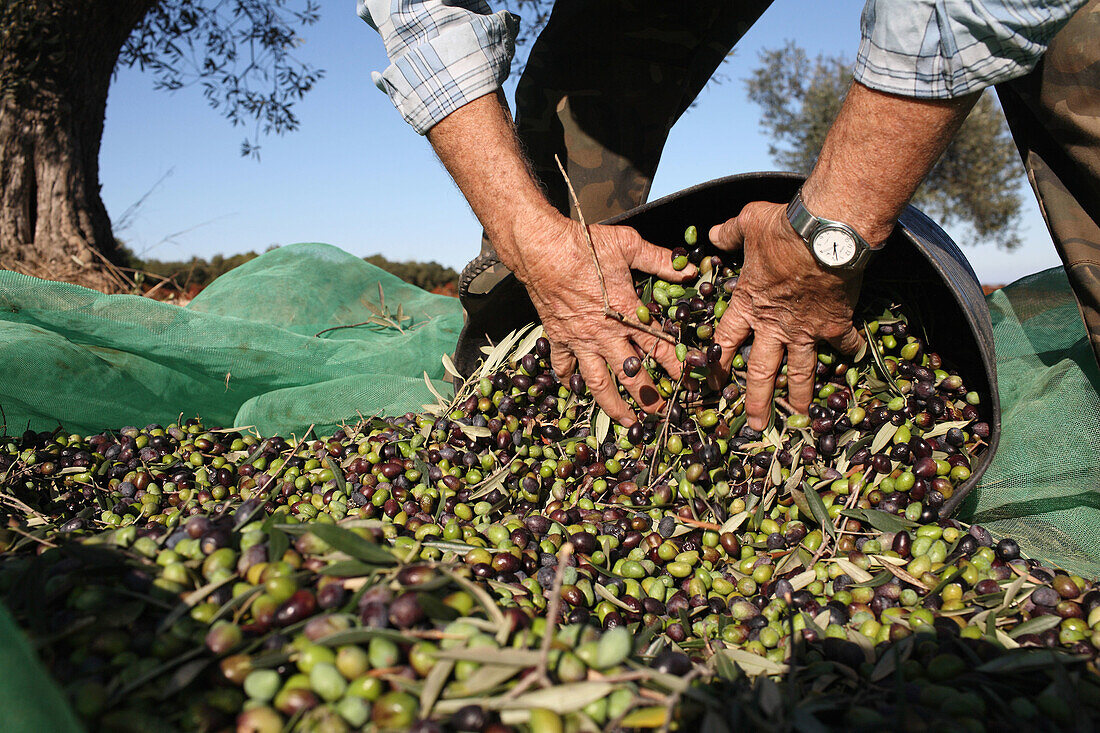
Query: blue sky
point(355, 175)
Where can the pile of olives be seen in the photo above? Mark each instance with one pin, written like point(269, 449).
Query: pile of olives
point(513, 560)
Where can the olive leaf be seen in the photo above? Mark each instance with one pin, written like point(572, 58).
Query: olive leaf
point(349, 569)
point(753, 664)
point(488, 677)
point(435, 392)
point(891, 659)
point(183, 677)
point(943, 427)
point(526, 345)
point(650, 718)
point(485, 655)
point(601, 425)
point(803, 579)
point(490, 484)
point(884, 435)
point(794, 479)
point(900, 574)
point(799, 498)
point(819, 512)
point(337, 474)
point(1036, 625)
point(1028, 660)
point(880, 364)
point(496, 355)
point(880, 520)
point(561, 699)
point(433, 684)
point(352, 544)
point(853, 571)
point(605, 594)
point(449, 366)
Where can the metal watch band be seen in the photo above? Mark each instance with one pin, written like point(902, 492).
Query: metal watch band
point(803, 221)
point(806, 225)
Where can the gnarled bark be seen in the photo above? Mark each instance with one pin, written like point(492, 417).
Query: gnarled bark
point(56, 64)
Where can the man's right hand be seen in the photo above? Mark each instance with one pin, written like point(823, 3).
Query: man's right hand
point(555, 263)
point(548, 253)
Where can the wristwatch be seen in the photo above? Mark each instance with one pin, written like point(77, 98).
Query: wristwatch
point(834, 244)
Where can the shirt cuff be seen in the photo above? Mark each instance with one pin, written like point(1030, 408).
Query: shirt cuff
point(942, 49)
point(438, 75)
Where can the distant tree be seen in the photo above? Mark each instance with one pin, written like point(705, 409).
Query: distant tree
point(975, 182)
point(198, 272)
point(57, 59)
point(426, 275)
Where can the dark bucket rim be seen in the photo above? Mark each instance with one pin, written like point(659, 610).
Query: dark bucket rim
point(907, 229)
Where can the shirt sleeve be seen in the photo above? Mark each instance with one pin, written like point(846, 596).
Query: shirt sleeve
point(949, 48)
point(443, 54)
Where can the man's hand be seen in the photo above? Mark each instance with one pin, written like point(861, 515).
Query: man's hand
point(788, 301)
point(549, 254)
point(556, 265)
point(783, 295)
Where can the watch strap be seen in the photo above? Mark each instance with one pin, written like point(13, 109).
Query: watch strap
point(806, 225)
point(803, 222)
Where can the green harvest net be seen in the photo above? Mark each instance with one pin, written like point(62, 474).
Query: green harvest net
point(1043, 487)
point(253, 350)
point(244, 352)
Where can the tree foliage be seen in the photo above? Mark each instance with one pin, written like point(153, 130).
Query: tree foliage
point(975, 183)
point(533, 15)
point(200, 272)
point(427, 275)
point(240, 52)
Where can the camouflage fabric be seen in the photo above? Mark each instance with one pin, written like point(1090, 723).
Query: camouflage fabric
point(604, 83)
point(1054, 114)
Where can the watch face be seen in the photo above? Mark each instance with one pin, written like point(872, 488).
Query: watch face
point(834, 247)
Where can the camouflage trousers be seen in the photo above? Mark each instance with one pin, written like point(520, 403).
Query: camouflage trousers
point(604, 83)
point(1054, 115)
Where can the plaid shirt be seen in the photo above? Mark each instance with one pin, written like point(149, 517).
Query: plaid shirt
point(445, 53)
point(948, 48)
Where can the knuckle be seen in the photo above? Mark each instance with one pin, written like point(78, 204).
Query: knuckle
point(761, 372)
point(757, 404)
point(837, 330)
point(599, 381)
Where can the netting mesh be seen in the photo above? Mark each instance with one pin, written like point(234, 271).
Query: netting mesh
point(244, 352)
point(1043, 487)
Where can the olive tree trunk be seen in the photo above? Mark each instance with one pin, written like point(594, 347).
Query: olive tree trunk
point(56, 62)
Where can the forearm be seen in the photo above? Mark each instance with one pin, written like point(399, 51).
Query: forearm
point(879, 149)
point(478, 146)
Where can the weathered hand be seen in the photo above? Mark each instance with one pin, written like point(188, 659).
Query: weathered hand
point(559, 274)
point(788, 301)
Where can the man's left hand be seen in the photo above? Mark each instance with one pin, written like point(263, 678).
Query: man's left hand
point(787, 301)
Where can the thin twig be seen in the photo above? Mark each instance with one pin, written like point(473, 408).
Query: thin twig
point(587, 235)
point(664, 429)
point(554, 606)
point(39, 540)
point(538, 675)
point(608, 311)
point(674, 698)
